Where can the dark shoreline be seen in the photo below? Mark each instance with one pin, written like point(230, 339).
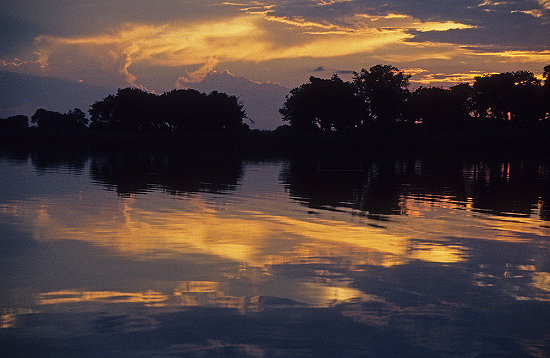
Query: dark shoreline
point(520, 142)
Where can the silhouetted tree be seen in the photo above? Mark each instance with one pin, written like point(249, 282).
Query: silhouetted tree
point(223, 112)
point(76, 118)
point(180, 108)
point(383, 88)
point(328, 104)
point(510, 96)
point(102, 114)
point(440, 109)
point(134, 110)
point(462, 94)
point(431, 106)
point(14, 123)
point(49, 120)
point(130, 110)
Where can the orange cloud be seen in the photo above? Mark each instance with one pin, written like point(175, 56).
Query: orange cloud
point(198, 75)
point(445, 78)
point(107, 58)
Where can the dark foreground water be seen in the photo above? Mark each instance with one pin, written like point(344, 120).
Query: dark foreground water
point(135, 255)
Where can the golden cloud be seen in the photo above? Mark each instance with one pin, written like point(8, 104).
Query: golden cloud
point(251, 36)
point(198, 75)
point(445, 78)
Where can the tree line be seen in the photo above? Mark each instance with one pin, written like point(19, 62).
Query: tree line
point(132, 110)
point(380, 98)
point(377, 98)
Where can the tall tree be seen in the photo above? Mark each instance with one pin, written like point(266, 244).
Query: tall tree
point(48, 120)
point(134, 110)
point(514, 97)
point(76, 118)
point(383, 89)
point(440, 109)
point(326, 104)
point(102, 114)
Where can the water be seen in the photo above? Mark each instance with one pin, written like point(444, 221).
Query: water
point(136, 254)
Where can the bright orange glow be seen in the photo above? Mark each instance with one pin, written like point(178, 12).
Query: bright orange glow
point(149, 298)
point(535, 56)
point(437, 78)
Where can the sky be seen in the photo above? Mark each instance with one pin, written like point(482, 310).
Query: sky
point(80, 51)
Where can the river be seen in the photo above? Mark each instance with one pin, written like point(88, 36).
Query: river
point(163, 255)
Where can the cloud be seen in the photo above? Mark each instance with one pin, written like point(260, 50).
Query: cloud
point(443, 79)
point(86, 60)
point(319, 69)
point(108, 43)
point(198, 75)
point(470, 22)
point(105, 58)
point(20, 66)
point(522, 32)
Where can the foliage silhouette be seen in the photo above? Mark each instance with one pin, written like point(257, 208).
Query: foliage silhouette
point(375, 107)
point(383, 89)
point(134, 110)
point(51, 121)
point(329, 105)
point(176, 173)
point(379, 97)
point(14, 123)
point(378, 186)
point(440, 109)
point(511, 96)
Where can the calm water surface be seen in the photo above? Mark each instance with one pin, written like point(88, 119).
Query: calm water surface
point(166, 256)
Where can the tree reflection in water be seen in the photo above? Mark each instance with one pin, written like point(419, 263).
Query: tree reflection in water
point(377, 187)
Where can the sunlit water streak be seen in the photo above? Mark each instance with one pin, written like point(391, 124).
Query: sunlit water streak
point(255, 244)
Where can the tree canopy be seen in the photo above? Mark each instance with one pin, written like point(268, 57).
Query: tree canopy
point(48, 120)
point(379, 97)
point(383, 88)
point(509, 96)
point(325, 104)
point(14, 123)
point(184, 110)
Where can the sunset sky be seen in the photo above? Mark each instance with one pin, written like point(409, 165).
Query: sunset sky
point(257, 50)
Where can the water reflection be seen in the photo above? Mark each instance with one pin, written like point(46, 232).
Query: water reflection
point(380, 187)
point(131, 173)
point(370, 258)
